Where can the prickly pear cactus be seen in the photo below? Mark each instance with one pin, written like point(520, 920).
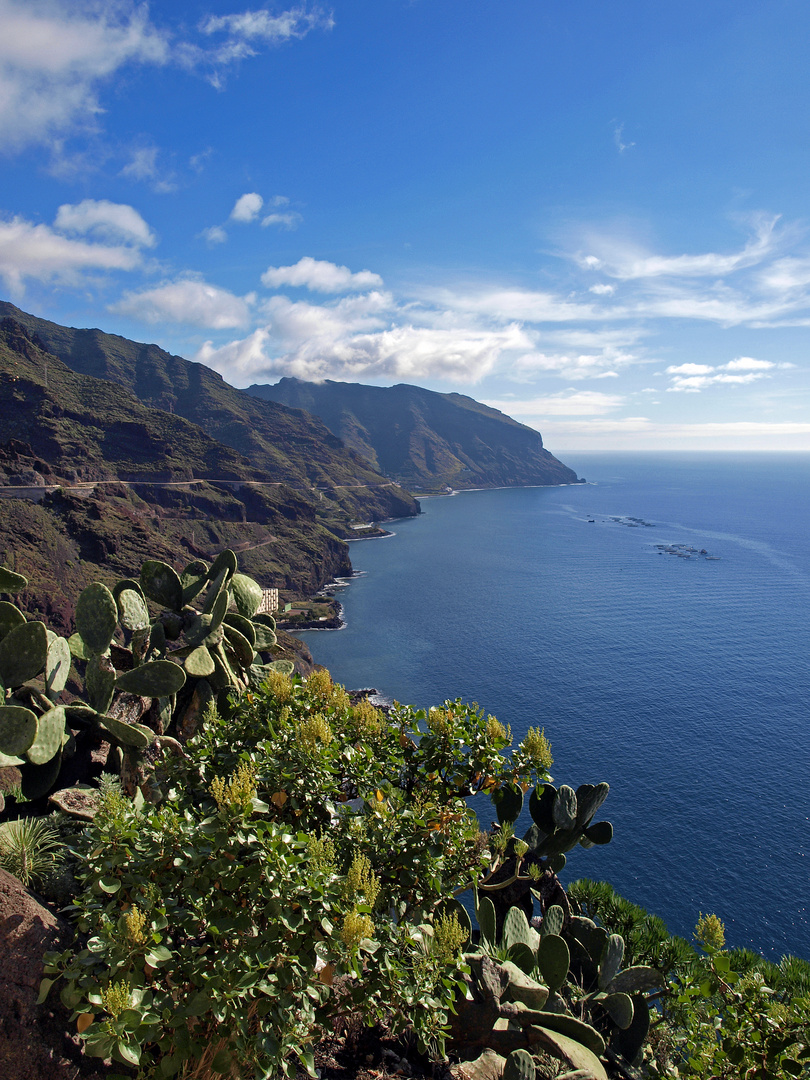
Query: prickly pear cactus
point(145, 670)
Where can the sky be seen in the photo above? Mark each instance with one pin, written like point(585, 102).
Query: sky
point(594, 216)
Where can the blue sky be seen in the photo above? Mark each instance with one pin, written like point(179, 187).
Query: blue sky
point(594, 216)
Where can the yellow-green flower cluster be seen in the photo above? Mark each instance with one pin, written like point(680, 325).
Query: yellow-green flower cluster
point(356, 927)
point(496, 732)
point(116, 998)
point(135, 922)
point(319, 685)
point(279, 685)
point(440, 722)
point(538, 749)
point(361, 881)
point(366, 720)
point(238, 792)
point(710, 932)
point(314, 733)
point(321, 853)
point(449, 935)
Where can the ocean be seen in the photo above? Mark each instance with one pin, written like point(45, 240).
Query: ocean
point(655, 622)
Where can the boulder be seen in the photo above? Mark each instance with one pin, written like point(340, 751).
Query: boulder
point(34, 1039)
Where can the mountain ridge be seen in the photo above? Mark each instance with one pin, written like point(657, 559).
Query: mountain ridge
point(423, 439)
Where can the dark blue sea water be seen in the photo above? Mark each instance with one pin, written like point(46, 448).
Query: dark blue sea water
point(683, 682)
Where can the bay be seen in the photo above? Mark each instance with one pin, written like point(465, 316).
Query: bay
point(681, 681)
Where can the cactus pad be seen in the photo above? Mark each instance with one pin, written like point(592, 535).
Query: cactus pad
point(599, 833)
point(541, 807)
point(553, 958)
point(161, 584)
point(11, 582)
point(57, 666)
point(99, 681)
point(48, 740)
point(10, 616)
point(523, 988)
point(264, 637)
point(620, 1009)
point(519, 1066)
point(247, 595)
point(132, 609)
point(508, 800)
point(485, 913)
point(160, 678)
point(135, 735)
point(199, 663)
point(611, 960)
point(96, 617)
point(523, 956)
point(589, 798)
point(516, 928)
point(18, 729)
point(552, 921)
point(23, 653)
point(582, 1060)
point(634, 980)
point(243, 625)
point(565, 808)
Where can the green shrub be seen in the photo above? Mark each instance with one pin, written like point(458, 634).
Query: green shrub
point(305, 849)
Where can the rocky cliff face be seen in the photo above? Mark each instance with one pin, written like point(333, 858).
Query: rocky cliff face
point(425, 440)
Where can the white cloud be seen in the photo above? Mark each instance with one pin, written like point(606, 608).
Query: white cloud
point(261, 26)
point(247, 207)
point(105, 220)
point(214, 235)
point(37, 252)
point(54, 56)
point(568, 403)
point(622, 259)
point(190, 301)
point(525, 305)
point(748, 363)
point(690, 369)
point(143, 165)
point(319, 276)
point(618, 138)
point(287, 219)
point(602, 290)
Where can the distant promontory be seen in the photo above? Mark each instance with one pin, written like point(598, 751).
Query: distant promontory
point(424, 440)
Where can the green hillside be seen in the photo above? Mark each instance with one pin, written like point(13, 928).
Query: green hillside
point(284, 444)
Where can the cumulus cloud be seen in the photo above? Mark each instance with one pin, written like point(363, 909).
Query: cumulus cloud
point(42, 254)
point(105, 220)
point(319, 276)
point(247, 207)
point(191, 301)
point(360, 337)
point(602, 290)
point(54, 57)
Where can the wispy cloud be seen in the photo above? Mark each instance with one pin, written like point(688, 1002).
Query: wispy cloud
point(618, 138)
point(621, 258)
point(567, 403)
